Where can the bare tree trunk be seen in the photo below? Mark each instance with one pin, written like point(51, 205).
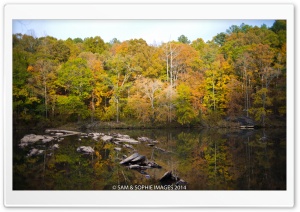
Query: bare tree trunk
point(167, 67)
point(171, 83)
point(45, 95)
point(213, 84)
point(117, 102)
point(246, 93)
point(93, 107)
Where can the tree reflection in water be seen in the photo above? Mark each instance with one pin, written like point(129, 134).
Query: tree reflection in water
point(206, 159)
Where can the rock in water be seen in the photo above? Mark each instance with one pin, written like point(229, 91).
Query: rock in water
point(140, 158)
point(122, 136)
point(117, 149)
point(181, 182)
point(35, 152)
point(59, 134)
point(30, 139)
point(47, 139)
point(135, 166)
point(55, 146)
point(129, 146)
point(107, 138)
point(153, 165)
point(127, 140)
point(85, 150)
point(95, 136)
point(130, 158)
point(144, 139)
point(168, 177)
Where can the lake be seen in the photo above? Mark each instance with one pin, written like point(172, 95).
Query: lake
point(195, 159)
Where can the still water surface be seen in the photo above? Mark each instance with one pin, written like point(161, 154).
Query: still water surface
point(204, 159)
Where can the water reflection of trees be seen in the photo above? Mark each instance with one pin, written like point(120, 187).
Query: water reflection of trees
point(206, 159)
point(211, 160)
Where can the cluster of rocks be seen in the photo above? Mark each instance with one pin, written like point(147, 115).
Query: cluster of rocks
point(32, 138)
point(139, 163)
point(55, 136)
point(135, 161)
point(118, 139)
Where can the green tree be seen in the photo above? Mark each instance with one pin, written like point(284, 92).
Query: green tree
point(100, 89)
point(94, 44)
point(184, 111)
point(263, 59)
point(183, 39)
point(220, 38)
point(74, 80)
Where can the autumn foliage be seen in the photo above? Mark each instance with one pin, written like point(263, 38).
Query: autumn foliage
point(240, 72)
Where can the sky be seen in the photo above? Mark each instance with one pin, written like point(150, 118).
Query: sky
point(153, 31)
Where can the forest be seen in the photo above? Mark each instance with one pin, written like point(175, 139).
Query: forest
point(239, 73)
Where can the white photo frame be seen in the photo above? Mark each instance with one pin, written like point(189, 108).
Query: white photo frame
point(141, 198)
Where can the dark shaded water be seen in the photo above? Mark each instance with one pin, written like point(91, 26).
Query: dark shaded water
point(205, 159)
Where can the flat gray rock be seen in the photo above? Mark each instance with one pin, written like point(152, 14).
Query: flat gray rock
point(34, 152)
point(127, 140)
point(85, 150)
point(32, 138)
point(107, 138)
point(130, 158)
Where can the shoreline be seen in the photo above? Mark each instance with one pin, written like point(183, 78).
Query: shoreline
point(79, 126)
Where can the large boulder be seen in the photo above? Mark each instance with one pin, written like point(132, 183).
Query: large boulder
point(32, 138)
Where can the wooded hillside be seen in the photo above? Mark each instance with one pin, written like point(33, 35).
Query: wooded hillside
point(240, 72)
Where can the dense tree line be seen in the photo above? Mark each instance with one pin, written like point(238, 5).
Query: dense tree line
point(240, 72)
